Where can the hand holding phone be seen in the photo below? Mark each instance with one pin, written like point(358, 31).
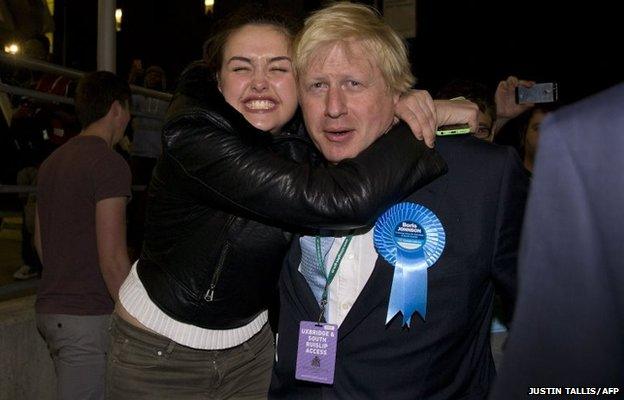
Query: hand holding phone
point(455, 129)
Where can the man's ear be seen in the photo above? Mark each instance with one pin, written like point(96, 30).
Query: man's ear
point(116, 108)
point(396, 96)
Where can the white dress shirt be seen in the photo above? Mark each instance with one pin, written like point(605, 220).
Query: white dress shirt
point(355, 269)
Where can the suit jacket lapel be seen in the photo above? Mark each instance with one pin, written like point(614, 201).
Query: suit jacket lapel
point(376, 291)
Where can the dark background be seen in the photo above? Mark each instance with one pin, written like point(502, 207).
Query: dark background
point(576, 44)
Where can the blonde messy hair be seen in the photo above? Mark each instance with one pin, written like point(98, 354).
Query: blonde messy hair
point(344, 21)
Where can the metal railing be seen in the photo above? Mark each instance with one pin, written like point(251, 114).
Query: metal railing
point(12, 189)
point(42, 66)
point(37, 65)
point(53, 98)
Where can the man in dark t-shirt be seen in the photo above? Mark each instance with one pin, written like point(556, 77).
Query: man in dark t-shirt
point(80, 236)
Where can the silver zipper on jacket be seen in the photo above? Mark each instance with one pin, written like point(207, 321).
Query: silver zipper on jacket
point(209, 296)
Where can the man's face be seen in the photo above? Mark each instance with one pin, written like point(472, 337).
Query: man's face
point(532, 133)
point(345, 100)
point(154, 79)
point(485, 127)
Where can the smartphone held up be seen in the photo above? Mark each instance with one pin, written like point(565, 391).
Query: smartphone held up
point(538, 93)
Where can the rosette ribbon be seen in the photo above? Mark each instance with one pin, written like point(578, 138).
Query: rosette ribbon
point(411, 238)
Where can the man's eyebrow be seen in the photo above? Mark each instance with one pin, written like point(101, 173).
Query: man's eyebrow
point(280, 58)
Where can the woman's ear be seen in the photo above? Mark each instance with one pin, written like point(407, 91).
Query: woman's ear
point(218, 82)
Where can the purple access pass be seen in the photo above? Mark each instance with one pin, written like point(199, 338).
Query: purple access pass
point(316, 352)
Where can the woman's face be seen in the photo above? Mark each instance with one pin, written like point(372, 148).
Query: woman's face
point(532, 133)
point(257, 78)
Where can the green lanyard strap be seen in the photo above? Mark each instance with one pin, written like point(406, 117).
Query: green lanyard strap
point(334, 268)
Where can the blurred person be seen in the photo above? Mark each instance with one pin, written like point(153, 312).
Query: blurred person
point(568, 324)
point(192, 317)
point(32, 266)
point(146, 148)
point(36, 129)
point(523, 132)
point(136, 73)
point(531, 135)
point(80, 236)
point(36, 47)
point(351, 67)
point(155, 78)
point(146, 141)
point(55, 123)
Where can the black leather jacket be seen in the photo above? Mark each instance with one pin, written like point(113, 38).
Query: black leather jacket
point(222, 192)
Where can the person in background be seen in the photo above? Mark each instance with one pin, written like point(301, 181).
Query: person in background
point(146, 148)
point(54, 123)
point(37, 128)
point(479, 94)
point(32, 266)
point(80, 236)
point(146, 141)
point(523, 132)
point(531, 136)
point(568, 326)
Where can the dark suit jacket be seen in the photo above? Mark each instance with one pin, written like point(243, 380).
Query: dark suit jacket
point(569, 326)
point(480, 203)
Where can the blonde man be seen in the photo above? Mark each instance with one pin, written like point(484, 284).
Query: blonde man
point(351, 70)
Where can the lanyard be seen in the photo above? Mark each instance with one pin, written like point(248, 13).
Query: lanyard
point(333, 270)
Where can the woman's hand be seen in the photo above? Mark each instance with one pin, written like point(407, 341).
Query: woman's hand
point(450, 112)
point(417, 109)
point(424, 115)
point(505, 98)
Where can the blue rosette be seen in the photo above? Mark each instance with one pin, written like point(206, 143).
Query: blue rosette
point(411, 238)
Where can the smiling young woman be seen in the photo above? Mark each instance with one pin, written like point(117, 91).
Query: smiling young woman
point(256, 76)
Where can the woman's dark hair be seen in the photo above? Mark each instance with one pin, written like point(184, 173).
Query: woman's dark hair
point(215, 45)
point(513, 133)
